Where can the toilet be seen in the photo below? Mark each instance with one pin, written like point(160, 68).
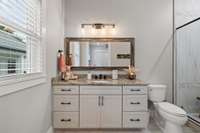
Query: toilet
point(174, 116)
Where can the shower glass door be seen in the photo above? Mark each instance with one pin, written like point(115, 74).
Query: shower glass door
point(188, 69)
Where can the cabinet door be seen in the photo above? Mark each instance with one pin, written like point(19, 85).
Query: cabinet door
point(111, 111)
point(90, 111)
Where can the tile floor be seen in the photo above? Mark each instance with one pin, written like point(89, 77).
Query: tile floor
point(189, 128)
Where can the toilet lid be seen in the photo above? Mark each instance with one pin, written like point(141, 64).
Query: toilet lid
point(171, 108)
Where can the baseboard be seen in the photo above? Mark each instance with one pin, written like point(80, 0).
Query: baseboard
point(50, 130)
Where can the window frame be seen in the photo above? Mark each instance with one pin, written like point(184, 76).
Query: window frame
point(16, 82)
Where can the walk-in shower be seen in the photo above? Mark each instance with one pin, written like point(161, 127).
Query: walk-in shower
point(187, 70)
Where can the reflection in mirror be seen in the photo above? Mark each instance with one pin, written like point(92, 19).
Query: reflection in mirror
point(100, 54)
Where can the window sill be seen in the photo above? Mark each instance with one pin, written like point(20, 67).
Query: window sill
point(12, 84)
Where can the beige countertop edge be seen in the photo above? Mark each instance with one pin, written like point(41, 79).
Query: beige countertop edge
point(123, 82)
point(102, 84)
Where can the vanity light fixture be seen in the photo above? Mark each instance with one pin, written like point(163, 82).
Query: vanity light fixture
point(98, 29)
point(98, 25)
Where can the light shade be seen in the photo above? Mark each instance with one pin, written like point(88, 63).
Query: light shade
point(98, 29)
point(98, 25)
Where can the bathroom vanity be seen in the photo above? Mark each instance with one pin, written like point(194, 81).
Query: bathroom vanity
point(99, 103)
point(102, 104)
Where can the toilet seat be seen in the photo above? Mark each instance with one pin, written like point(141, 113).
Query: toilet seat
point(171, 109)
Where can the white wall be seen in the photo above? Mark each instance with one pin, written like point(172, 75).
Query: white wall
point(29, 111)
point(26, 111)
point(150, 21)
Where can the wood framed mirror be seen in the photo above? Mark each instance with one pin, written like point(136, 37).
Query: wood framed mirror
point(99, 53)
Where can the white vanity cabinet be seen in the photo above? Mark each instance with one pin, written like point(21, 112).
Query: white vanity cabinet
point(111, 112)
point(94, 114)
point(90, 111)
point(135, 111)
point(66, 106)
point(100, 106)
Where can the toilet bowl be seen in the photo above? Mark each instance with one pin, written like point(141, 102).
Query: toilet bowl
point(174, 116)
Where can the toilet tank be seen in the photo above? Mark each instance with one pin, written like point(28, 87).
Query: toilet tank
point(157, 92)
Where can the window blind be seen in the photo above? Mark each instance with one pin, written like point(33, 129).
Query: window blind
point(20, 37)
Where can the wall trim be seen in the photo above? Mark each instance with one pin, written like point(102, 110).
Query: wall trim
point(50, 130)
point(8, 87)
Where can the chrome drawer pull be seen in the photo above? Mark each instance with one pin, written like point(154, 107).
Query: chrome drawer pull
point(102, 98)
point(99, 100)
point(66, 89)
point(65, 120)
point(135, 103)
point(135, 90)
point(134, 120)
point(66, 103)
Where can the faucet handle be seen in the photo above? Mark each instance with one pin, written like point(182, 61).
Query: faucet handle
point(95, 77)
point(100, 76)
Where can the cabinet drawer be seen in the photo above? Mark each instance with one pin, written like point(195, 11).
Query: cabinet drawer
point(103, 90)
point(135, 103)
point(135, 119)
point(65, 120)
point(135, 90)
point(66, 90)
point(65, 103)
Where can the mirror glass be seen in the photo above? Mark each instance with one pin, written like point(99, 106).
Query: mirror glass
point(100, 54)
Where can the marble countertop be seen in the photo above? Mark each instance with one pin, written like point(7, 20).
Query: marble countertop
point(84, 81)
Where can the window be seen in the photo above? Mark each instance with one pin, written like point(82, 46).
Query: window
point(20, 37)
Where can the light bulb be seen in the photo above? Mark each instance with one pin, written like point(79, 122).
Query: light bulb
point(83, 30)
point(93, 30)
point(103, 31)
point(113, 31)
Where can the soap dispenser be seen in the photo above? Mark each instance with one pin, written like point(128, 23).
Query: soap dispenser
point(61, 64)
point(114, 74)
point(89, 75)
